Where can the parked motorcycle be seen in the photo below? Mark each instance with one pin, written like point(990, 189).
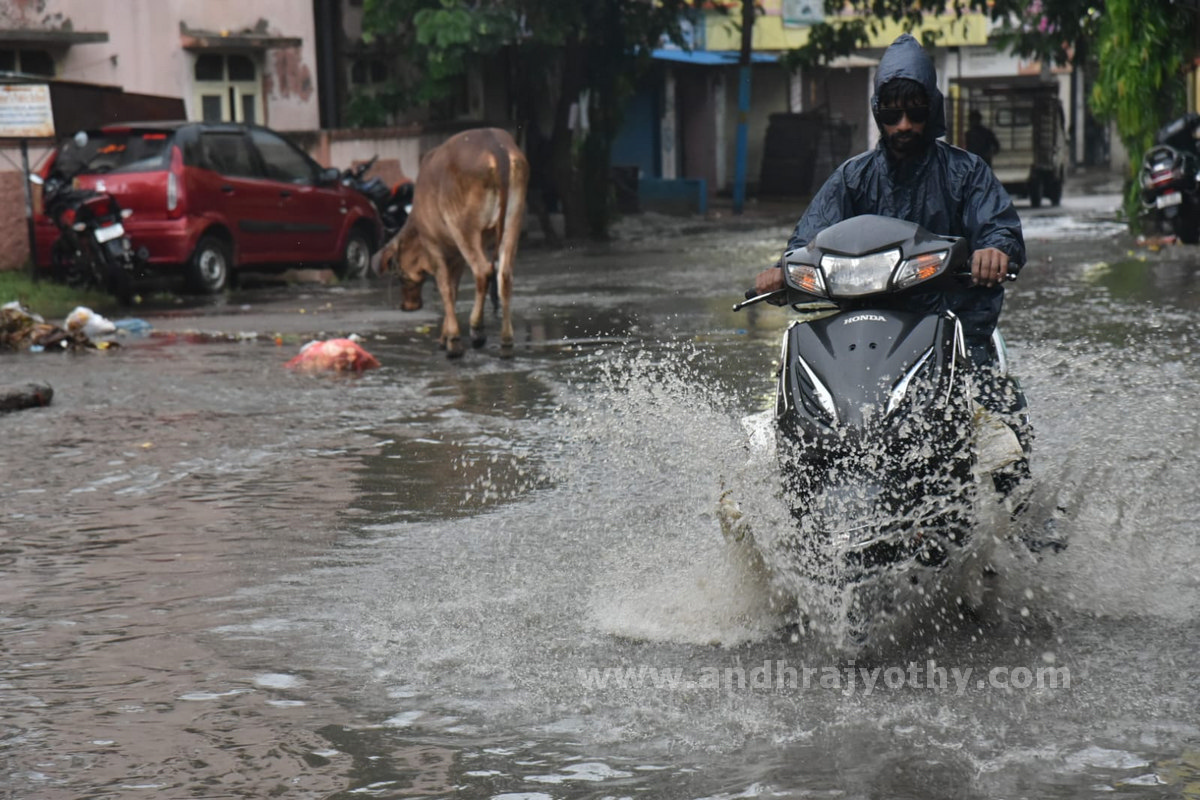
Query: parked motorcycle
point(394, 204)
point(1170, 179)
point(92, 249)
point(884, 452)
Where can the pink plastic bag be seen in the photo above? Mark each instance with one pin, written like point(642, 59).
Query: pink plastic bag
point(333, 355)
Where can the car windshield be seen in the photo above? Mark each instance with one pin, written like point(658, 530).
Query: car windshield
point(113, 152)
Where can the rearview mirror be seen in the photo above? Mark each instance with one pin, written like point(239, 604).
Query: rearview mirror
point(329, 175)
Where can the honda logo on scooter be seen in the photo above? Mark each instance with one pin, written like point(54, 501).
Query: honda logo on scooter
point(863, 318)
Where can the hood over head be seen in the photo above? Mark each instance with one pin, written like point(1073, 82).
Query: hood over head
point(905, 58)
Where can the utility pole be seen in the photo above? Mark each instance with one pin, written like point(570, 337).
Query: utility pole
point(739, 176)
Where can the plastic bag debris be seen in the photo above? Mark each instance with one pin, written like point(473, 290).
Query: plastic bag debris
point(91, 324)
point(333, 355)
point(133, 326)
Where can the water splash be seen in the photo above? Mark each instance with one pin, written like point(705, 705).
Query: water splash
point(666, 431)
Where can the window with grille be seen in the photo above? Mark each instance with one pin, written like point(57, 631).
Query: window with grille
point(228, 88)
point(29, 62)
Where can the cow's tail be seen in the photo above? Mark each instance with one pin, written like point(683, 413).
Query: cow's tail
point(504, 168)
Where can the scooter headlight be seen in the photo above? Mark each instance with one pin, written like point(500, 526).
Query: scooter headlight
point(920, 268)
point(852, 276)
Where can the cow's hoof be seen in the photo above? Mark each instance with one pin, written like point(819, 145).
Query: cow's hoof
point(454, 348)
point(506, 349)
point(478, 339)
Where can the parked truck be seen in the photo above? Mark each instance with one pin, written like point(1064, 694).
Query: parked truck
point(1028, 121)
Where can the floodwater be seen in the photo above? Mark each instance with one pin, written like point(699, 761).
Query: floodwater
point(504, 579)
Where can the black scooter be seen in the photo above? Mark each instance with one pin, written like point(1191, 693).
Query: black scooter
point(92, 249)
point(882, 446)
point(393, 205)
point(1170, 179)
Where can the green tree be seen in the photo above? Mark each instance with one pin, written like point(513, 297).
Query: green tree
point(560, 53)
point(1052, 31)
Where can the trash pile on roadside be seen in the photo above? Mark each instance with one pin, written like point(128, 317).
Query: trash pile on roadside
point(23, 329)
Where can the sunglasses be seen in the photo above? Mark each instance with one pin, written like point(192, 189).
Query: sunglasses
point(891, 116)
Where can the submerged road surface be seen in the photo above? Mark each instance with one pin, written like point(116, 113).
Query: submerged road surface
point(504, 579)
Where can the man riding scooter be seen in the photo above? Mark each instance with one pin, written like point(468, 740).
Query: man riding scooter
point(912, 175)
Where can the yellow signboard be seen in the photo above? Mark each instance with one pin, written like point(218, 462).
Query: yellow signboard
point(25, 111)
point(775, 31)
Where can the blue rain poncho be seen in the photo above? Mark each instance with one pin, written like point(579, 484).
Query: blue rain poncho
point(947, 191)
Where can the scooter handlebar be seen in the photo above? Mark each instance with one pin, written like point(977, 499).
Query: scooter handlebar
point(752, 298)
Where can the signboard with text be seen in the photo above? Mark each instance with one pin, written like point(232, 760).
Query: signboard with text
point(801, 13)
point(25, 111)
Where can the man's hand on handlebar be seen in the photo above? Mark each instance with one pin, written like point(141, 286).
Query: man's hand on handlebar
point(769, 280)
point(989, 267)
point(769, 287)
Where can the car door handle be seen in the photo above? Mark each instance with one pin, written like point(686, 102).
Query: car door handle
point(226, 188)
point(285, 192)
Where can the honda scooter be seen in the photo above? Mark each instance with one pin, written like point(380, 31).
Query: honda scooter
point(885, 453)
point(1170, 179)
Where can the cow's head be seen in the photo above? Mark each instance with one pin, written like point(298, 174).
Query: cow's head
point(413, 269)
point(384, 260)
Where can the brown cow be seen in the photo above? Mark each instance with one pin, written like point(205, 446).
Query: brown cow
point(469, 201)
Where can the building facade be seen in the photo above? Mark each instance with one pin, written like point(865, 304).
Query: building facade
point(801, 124)
point(235, 60)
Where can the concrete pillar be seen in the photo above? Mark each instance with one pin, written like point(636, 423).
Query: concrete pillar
point(722, 155)
point(668, 126)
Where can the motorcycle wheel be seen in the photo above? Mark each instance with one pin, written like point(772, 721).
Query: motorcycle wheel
point(118, 262)
point(120, 283)
point(208, 271)
point(1187, 226)
point(70, 266)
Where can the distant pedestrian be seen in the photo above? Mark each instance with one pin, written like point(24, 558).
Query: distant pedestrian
point(980, 139)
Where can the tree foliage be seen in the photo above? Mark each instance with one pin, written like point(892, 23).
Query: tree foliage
point(849, 24)
point(559, 54)
point(1142, 50)
point(1052, 31)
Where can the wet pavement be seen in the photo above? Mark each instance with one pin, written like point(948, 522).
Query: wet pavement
point(494, 578)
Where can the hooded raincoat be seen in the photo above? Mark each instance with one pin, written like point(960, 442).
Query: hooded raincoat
point(946, 190)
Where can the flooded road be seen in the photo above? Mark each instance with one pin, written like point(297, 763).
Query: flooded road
point(504, 579)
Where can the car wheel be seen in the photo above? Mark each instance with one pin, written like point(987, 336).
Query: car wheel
point(356, 258)
point(208, 271)
point(1035, 192)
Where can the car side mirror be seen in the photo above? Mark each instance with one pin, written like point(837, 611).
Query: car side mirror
point(329, 176)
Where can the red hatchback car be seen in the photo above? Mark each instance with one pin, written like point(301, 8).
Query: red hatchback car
point(214, 197)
